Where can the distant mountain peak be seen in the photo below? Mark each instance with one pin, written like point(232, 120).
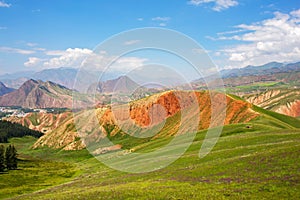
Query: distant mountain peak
point(4, 90)
point(122, 84)
point(2, 84)
point(39, 94)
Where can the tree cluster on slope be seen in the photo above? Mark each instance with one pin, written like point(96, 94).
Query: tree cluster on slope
point(8, 158)
point(9, 130)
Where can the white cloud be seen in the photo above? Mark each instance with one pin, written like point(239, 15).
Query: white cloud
point(274, 39)
point(39, 49)
point(30, 44)
point(4, 5)
point(55, 53)
point(231, 32)
point(73, 57)
point(131, 42)
point(219, 5)
point(16, 50)
point(164, 19)
point(103, 61)
point(69, 58)
point(296, 13)
point(3, 28)
point(140, 19)
point(32, 62)
point(128, 63)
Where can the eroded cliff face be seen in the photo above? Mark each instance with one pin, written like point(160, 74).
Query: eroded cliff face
point(291, 109)
point(285, 102)
point(154, 110)
point(43, 122)
point(263, 98)
point(174, 102)
point(64, 136)
point(143, 113)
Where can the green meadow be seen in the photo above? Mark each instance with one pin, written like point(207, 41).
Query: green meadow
point(250, 161)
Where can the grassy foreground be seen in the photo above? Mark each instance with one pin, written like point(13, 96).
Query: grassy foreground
point(245, 164)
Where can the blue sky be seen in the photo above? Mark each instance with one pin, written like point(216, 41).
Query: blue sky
point(39, 34)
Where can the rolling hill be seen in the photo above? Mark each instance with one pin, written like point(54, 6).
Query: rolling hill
point(256, 159)
point(62, 132)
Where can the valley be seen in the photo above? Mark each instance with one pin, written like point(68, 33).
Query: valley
point(255, 156)
point(150, 100)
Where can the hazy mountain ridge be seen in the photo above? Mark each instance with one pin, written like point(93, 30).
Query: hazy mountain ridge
point(4, 90)
point(63, 76)
point(67, 76)
point(288, 73)
point(122, 84)
point(266, 69)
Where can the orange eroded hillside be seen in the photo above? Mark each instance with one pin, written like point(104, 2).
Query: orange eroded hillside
point(145, 112)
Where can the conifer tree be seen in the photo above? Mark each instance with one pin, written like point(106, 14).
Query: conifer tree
point(11, 157)
point(14, 160)
point(2, 158)
point(8, 157)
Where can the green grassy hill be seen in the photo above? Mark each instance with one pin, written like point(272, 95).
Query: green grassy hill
point(261, 163)
point(256, 159)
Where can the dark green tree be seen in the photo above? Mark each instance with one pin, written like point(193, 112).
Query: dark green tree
point(14, 159)
point(8, 157)
point(2, 158)
point(11, 157)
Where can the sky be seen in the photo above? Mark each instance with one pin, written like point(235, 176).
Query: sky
point(42, 34)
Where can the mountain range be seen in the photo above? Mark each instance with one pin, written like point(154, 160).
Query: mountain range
point(39, 94)
point(266, 69)
point(62, 76)
point(67, 76)
point(4, 89)
point(60, 132)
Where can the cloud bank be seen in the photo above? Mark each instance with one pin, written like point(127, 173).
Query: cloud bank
point(274, 39)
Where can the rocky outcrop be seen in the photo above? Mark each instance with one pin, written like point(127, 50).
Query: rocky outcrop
point(291, 109)
point(64, 136)
point(43, 122)
point(283, 101)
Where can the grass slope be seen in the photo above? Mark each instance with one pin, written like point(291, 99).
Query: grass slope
point(256, 163)
point(254, 160)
